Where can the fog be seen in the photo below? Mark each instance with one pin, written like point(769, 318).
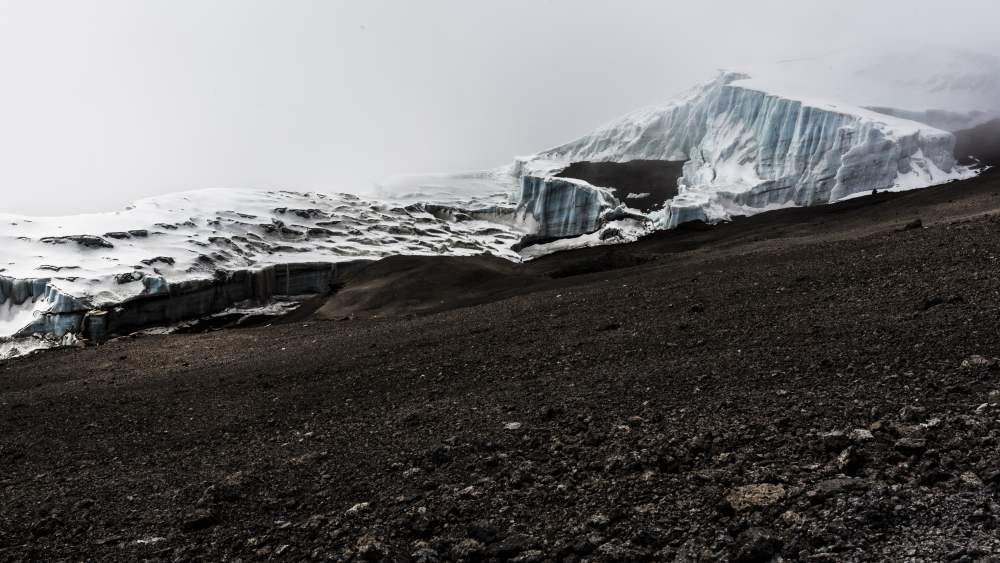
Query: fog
point(106, 101)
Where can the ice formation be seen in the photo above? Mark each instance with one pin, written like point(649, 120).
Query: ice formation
point(748, 150)
point(561, 207)
point(168, 258)
point(791, 133)
point(758, 140)
point(750, 141)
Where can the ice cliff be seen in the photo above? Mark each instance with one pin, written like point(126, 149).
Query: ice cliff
point(746, 150)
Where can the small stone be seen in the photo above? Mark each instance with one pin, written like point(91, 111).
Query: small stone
point(199, 520)
point(849, 461)
point(357, 509)
point(370, 549)
point(793, 518)
point(859, 435)
point(833, 487)
point(911, 445)
point(84, 504)
point(933, 301)
point(971, 479)
point(425, 555)
point(467, 549)
point(756, 496)
point(512, 546)
point(834, 441)
point(617, 551)
point(532, 556)
point(756, 545)
point(976, 360)
point(483, 531)
point(599, 521)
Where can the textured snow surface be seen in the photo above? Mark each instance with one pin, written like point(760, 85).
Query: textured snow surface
point(63, 264)
point(468, 190)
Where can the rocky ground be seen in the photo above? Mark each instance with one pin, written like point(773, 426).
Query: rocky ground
point(816, 385)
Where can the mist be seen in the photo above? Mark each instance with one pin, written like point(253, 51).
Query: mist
point(108, 101)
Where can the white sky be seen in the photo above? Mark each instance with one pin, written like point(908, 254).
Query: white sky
point(106, 101)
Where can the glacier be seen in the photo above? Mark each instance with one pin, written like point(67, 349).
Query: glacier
point(753, 141)
point(169, 258)
point(747, 150)
point(560, 207)
point(740, 143)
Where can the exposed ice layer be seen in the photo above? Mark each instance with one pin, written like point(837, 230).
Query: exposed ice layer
point(197, 298)
point(58, 270)
point(12, 347)
point(748, 150)
point(559, 207)
point(49, 314)
point(34, 305)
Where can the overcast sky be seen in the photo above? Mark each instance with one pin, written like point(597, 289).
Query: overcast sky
point(106, 101)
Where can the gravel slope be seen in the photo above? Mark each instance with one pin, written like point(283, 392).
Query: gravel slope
point(810, 385)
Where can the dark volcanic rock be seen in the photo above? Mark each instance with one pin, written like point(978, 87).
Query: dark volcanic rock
point(199, 520)
point(934, 301)
point(910, 445)
point(833, 487)
point(835, 441)
point(756, 545)
point(87, 241)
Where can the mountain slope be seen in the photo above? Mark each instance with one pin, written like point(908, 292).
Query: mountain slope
point(979, 144)
point(705, 405)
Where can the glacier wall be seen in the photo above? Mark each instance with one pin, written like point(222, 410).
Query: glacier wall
point(192, 299)
point(29, 306)
point(54, 315)
point(747, 150)
point(558, 207)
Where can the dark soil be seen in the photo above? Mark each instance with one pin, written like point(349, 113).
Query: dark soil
point(814, 384)
point(657, 178)
point(982, 143)
point(406, 285)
